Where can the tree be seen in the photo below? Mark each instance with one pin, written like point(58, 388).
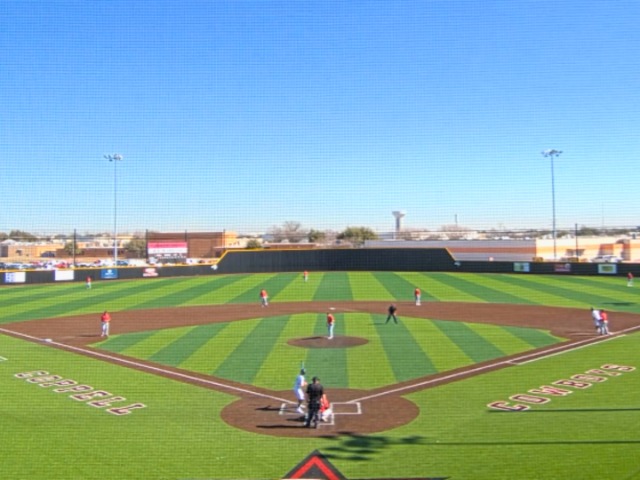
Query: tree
point(316, 236)
point(71, 248)
point(357, 235)
point(20, 236)
point(253, 243)
point(137, 246)
point(289, 231)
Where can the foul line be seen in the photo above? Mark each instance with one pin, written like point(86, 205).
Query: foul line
point(93, 353)
point(513, 361)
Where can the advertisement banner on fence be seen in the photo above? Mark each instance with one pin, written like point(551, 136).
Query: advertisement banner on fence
point(562, 268)
point(607, 268)
point(63, 275)
point(521, 267)
point(15, 277)
point(109, 274)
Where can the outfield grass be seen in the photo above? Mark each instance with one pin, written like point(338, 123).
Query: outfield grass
point(588, 434)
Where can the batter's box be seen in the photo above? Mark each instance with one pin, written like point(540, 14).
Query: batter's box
point(290, 409)
point(346, 408)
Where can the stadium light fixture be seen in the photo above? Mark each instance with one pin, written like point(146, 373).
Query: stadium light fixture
point(552, 154)
point(115, 159)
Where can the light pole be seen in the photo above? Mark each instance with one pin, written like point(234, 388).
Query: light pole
point(551, 154)
point(115, 159)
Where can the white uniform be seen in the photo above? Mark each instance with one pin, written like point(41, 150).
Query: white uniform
point(597, 319)
point(298, 390)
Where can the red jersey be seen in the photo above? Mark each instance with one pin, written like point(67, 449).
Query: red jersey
point(330, 319)
point(105, 317)
point(263, 293)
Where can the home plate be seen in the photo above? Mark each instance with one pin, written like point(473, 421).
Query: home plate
point(332, 308)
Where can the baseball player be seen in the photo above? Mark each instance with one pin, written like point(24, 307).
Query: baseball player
point(88, 283)
point(298, 389)
point(264, 298)
point(331, 322)
point(305, 276)
point(105, 320)
point(604, 323)
point(417, 294)
point(597, 319)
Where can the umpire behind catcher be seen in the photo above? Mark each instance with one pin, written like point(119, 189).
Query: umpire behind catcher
point(315, 390)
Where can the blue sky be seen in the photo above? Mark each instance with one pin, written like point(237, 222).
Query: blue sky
point(242, 115)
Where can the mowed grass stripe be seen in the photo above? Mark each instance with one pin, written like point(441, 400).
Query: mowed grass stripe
point(218, 286)
point(11, 296)
point(434, 289)
point(428, 288)
point(556, 293)
point(615, 290)
point(444, 287)
point(406, 357)
point(211, 354)
point(330, 364)
point(516, 292)
point(359, 359)
point(540, 292)
point(443, 352)
point(150, 345)
point(533, 337)
point(503, 339)
point(366, 286)
point(109, 297)
point(245, 289)
point(190, 341)
point(298, 290)
point(119, 343)
point(334, 286)
point(469, 341)
point(246, 360)
point(480, 287)
point(271, 283)
point(284, 361)
point(399, 287)
point(168, 296)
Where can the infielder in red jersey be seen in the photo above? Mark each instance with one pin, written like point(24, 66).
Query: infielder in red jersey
point(264, 298)
point(105, 320)
point(417, 294)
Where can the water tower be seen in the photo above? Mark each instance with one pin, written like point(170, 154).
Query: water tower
point(399, 216)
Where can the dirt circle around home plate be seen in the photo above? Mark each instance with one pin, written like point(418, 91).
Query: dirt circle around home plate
point(270, 412)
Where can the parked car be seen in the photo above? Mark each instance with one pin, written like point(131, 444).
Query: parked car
point(606, 259)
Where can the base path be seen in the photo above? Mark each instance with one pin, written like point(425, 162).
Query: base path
point(355, 411)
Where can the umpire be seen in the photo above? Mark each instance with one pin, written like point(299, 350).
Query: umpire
point(315, 390)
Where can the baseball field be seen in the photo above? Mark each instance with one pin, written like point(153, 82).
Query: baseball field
point(494, 376)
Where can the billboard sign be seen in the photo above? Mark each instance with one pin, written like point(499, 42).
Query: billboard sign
point(168, 249)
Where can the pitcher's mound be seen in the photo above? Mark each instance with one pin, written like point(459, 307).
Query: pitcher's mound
point(324, 342)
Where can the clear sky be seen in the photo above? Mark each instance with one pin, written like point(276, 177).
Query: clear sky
point(242, 115)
